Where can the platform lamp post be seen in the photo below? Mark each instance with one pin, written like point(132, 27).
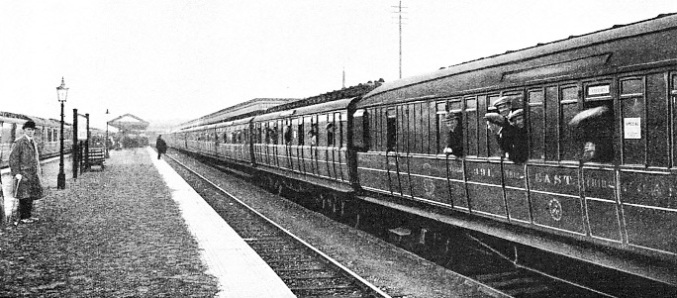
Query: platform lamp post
point(106, 142)
point(62, 94)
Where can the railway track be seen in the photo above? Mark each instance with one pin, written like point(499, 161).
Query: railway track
point(307, 271)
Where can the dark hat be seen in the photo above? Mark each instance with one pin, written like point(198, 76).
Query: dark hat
point(495, 118)
point(515, 113)
point(503, 100)
point(29, 124)
point(453, 114)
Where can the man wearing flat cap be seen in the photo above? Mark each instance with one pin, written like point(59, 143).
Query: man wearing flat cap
point(504, 105)
point(24, 162)
point(510, 139)
point(520, 147)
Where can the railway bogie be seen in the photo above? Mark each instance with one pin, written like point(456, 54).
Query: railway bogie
point(589, 173)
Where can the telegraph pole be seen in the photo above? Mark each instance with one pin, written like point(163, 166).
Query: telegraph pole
point(399, 16)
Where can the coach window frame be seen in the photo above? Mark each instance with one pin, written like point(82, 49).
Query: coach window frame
point(534, 111)
point(609, 99)
point(567, 108)
point(672, 118)
point(331, 134)
point(493, 149)
point(391, 129)
point(471, 125)
point(629, 145)
point(440, 113)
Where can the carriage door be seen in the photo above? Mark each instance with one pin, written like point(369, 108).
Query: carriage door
point(392, 159)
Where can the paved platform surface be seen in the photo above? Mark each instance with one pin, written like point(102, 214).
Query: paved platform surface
point(238, 270)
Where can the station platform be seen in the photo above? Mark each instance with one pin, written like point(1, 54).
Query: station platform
point(238, 270)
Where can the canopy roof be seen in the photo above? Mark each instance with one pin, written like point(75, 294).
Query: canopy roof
point(128, 122)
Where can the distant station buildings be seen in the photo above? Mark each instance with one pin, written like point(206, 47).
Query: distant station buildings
point(131, 131)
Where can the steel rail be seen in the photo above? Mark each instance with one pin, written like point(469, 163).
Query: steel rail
point(327, 258)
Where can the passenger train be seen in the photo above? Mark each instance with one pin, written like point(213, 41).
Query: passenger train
point(46, 134)
point(598, 182)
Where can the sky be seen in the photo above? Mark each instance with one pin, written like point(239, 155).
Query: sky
point(169, 61)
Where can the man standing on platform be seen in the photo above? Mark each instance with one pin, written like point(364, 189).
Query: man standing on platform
point(161, 146)
point(24, 162)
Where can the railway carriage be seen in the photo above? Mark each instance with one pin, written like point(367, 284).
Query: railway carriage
point(307, 144)
point(46, 135)
point(234, 141)
point(622, 198)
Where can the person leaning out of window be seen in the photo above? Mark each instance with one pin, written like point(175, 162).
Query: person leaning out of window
point(508, 136)
point(593, 128)
point(519, 146)
point(454, 140)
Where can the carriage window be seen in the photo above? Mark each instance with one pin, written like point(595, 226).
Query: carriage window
point(314, 132)
point(361, 131)
point(310, 135)
point(568, 109)
point(300, 132)
point(330, 129)
point(414, 128)
point(492, 142)
point(471, 124)
point(592, 128)
point(632, 87)
point(633, 121)
point(342, 128)
point(453, 121)
point(536, 124)
point(440, 112)
point(551, 125)
point(401, 138)
point(391, 129)
point(274, 134)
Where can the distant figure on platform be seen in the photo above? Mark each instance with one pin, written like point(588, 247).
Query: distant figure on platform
point(24, 162)
point(161, 146)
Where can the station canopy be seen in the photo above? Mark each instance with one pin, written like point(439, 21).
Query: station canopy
point(128, 122)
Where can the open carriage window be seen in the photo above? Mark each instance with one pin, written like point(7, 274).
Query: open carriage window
point(361, 133)
point(589, 133)
point(453, 120)
point(391, 129)
point(300, 132)
point(330, 128)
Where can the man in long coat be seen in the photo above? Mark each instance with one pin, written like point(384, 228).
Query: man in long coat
point(24, 162)
point(161, 146)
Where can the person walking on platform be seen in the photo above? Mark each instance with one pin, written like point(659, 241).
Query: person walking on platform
point(24, 162)
point(161, 146)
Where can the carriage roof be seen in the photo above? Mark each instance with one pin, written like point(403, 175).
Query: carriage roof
point(592, 53)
